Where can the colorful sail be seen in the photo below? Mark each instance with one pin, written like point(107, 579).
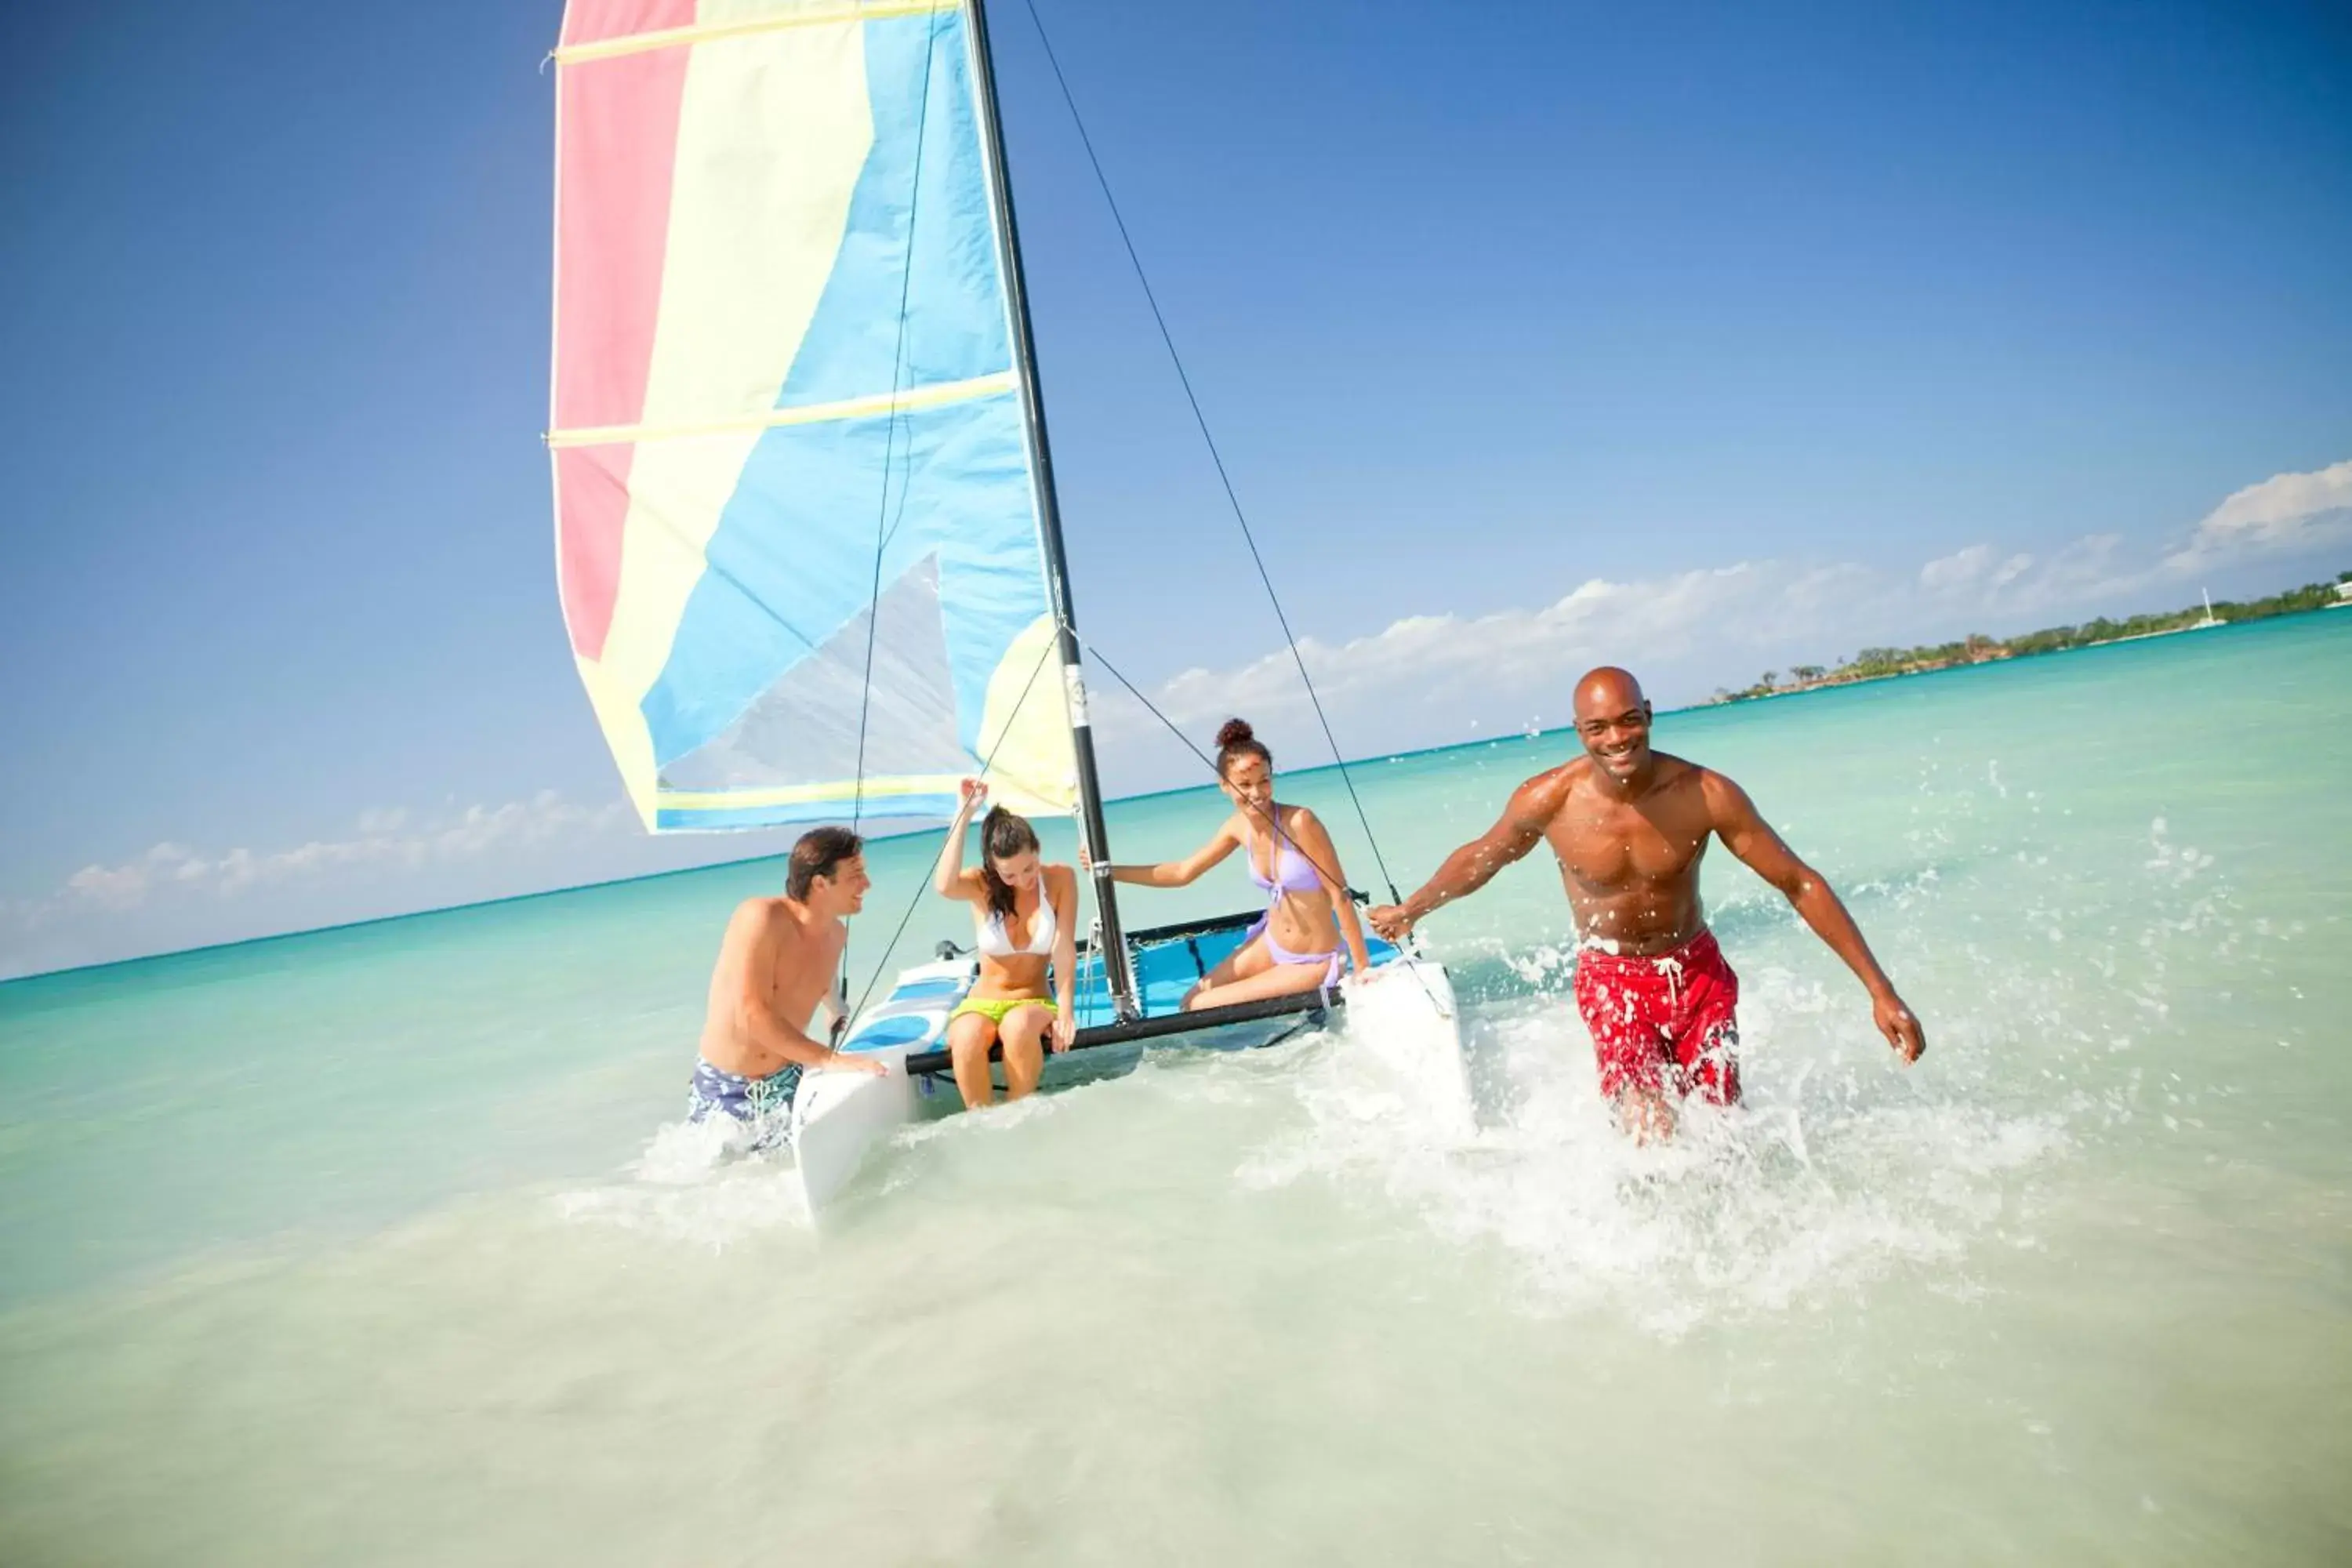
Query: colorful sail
point(782, 346)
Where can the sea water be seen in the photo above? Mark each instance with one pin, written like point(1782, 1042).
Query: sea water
point(381, 1245)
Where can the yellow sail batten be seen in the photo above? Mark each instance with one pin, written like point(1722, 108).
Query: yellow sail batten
point(912, 399)
point(880, 791)
point(814, 15)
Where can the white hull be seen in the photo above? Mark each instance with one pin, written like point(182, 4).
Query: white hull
point(838, 1116)
point(1407, 1015)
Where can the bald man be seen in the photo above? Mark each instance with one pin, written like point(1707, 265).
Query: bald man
point(1630, 826)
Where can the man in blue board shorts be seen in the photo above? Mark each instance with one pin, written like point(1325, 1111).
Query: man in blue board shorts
point(775, 969)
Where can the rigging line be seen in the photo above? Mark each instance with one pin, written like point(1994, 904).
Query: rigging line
point(986, 762)
point(883, 530)
point(1207, 761)
point(1232, 499)
point(1275, 846)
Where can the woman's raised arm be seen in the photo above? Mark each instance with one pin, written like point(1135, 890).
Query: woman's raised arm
point(950, 879)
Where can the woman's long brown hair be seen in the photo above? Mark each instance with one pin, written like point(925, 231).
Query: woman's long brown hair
point(1002, 834)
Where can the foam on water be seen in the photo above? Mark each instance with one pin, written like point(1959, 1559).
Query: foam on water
point(1828, 1177)
point(701, 1182)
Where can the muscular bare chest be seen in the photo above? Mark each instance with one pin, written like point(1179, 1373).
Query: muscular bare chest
point(1607, 847)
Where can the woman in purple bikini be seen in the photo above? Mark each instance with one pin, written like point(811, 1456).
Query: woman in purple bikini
point(1295, 946)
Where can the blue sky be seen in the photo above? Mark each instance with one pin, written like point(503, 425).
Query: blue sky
point(1793, 328)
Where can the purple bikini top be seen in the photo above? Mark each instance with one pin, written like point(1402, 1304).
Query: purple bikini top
point(1293, 872)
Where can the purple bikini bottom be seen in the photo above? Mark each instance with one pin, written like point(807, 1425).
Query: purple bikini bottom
point(1281, 954)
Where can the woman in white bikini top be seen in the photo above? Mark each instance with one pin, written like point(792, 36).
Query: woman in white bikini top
point(995, 941)
point(1027, 914)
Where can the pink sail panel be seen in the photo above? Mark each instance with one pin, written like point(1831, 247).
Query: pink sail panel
point(617, 128)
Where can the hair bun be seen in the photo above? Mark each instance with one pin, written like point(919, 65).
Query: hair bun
point(1235, 732)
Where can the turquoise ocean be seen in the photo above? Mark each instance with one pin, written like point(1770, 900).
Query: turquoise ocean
point(375, 1245)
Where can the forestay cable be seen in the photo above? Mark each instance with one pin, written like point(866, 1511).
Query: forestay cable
point(883, 526)
point(1232, 499)
point(1329, 875)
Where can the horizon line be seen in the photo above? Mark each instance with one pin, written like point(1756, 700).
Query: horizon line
point(1333, 766)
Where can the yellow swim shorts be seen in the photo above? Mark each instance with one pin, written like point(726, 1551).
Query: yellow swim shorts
point(996, 1008)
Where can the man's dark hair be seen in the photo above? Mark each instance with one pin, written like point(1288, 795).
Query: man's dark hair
point(818, 853)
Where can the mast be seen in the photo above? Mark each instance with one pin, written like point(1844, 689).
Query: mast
point(1117, 973)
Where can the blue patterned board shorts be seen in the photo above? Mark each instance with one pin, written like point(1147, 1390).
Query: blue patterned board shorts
point(765, 1103)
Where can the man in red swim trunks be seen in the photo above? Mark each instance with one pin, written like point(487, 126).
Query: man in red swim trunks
point(1629, 826)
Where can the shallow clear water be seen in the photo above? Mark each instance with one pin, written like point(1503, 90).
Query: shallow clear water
point(372, 1246)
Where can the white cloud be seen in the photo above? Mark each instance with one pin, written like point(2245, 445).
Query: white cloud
point(2285, 512)
point(385, 838)
point(126, 885)
point(382, 820)
point(1441, 660)
point(1973, 569)
point(1428, 680)
point(110, 887)
point(1433, 680)
point(544, 816)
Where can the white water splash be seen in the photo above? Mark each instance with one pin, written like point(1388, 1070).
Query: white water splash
point(1819, 1185)
point(698, 1182)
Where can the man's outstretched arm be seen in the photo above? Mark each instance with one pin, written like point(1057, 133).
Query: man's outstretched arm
point(1472, 867)
point(1747, 835)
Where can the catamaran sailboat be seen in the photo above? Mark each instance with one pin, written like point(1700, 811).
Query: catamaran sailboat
point(808, 550)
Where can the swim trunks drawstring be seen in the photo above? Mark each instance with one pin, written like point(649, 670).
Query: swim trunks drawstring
point(1672, 968)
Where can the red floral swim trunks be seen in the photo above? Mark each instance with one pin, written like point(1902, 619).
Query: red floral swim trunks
point(1664, 1022)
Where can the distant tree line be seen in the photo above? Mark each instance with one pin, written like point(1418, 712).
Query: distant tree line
point(1878, 663)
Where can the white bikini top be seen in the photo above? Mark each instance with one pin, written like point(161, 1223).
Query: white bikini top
point(997, 943)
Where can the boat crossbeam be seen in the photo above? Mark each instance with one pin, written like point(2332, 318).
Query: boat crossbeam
point(927, 1063)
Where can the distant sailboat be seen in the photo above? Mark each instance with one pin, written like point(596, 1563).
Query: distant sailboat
point(810, 554)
